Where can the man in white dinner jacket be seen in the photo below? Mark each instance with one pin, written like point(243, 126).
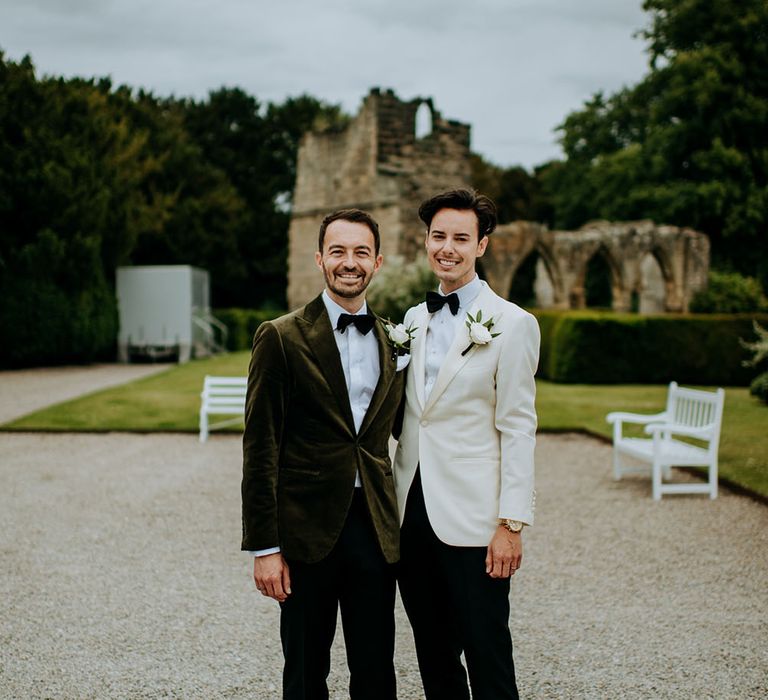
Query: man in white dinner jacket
point(464, 463)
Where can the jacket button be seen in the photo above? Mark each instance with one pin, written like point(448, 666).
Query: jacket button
point(424, 423)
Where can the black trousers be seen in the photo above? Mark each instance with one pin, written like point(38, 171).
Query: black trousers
point(454, 606)
point(355, 578)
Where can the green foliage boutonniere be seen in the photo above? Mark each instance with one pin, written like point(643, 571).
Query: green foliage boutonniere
point(479, 332)
point(400, 337)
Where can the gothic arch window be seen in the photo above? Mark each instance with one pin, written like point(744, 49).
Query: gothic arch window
point(598, 281)
point(652, 285)
point(423, 121)
point(532, 284)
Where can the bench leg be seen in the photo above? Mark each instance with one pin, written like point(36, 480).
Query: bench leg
point(203, 426)
point(713, 481)
point(617, 471)
point(656, 481)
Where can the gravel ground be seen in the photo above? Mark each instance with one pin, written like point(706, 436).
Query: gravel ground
point(25, 390)
point(120, 577)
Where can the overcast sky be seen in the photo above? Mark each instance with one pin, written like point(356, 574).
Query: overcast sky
point(513, 69)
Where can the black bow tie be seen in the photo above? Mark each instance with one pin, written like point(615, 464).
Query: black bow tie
point(363, 322)
point(435, 302)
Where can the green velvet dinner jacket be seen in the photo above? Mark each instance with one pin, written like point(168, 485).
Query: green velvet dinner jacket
point(300, 448)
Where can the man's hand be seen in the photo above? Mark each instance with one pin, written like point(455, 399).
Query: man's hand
point(505, 552)
point(272, 577)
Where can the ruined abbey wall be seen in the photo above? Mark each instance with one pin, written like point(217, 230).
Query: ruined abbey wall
point(379, 164)
point(662, 266)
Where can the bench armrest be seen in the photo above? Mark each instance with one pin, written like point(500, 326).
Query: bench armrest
point(703, 433)
point(618, 417)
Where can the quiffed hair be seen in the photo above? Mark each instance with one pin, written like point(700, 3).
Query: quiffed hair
point(462, 199)
point(357, 216)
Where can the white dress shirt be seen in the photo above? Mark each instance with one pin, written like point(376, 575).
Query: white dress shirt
point(360, 360)
point(442, 330)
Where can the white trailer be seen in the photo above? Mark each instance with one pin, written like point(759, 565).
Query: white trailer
point(165, 313)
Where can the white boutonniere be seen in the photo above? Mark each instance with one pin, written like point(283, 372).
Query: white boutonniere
point(479, 332)
point(400, 337)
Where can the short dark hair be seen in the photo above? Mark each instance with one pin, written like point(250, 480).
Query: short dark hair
point(483, 206)
point(357, 216)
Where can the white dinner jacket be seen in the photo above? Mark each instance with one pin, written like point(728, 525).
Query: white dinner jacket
point(474, 436)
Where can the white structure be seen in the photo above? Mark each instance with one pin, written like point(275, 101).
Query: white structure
point(221, 396)
point(165, 313)
point(690, 414)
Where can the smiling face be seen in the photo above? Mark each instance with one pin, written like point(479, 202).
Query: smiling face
point(453, 246)
point(348, 261)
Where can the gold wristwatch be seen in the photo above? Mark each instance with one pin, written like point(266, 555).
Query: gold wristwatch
point(512, 525)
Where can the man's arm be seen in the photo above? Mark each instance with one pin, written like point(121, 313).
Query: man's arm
point(516, 422)
point(265, 410)
point(515, 417)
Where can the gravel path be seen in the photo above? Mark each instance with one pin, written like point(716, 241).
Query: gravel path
point(25, 390)
point(120, 577)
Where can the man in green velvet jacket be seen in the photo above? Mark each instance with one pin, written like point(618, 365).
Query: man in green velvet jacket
point(319, 507)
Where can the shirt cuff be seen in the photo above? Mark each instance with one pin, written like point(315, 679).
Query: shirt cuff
point(264, 552)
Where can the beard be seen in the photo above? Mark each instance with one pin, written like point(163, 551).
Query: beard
point(346, 291)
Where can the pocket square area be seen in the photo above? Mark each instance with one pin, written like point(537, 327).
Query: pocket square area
point(402, 362)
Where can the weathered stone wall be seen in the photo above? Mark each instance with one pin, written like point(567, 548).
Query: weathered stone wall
point(378, 164)
point(663, 265)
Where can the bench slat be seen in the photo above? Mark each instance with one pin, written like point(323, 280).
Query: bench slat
point(221, 396)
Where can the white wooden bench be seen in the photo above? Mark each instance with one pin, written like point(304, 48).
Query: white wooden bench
point(221, 396)
point(691, 414)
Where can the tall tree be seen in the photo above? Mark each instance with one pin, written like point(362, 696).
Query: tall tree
point(196, 211)
point(518, 194)
point(69, 169)
point(256, 148)
point(687, 145)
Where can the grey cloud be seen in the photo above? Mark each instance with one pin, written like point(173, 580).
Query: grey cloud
point(511, 68)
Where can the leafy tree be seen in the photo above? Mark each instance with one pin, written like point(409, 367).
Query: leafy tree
point(518, 194)
point(256, 148)
point(196, 212)
point(68, 171)
point(687, 145)
point(729, 293)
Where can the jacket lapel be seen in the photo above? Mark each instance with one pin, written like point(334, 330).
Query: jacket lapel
point(316, 328)
point(419, 355)
point(454, 360)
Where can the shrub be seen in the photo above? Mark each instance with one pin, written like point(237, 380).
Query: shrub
point(400, 285)
point(607, 348)
point(43, 324)
point(730, 293)
point(242, 324)
point(759, 350)
point(759, 387)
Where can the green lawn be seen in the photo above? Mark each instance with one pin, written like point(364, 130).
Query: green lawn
point(170, 401)
point(166, 401)
point(743, 439)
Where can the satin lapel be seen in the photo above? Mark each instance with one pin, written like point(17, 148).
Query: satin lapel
point(316, 327)
point(419, 354)
point(387, 368)
point(454, 360)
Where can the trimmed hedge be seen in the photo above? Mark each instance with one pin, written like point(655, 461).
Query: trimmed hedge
point(242, 324)
point(608, 348)
point(44, 324)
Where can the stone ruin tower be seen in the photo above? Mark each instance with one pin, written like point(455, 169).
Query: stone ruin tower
point(381, 164)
